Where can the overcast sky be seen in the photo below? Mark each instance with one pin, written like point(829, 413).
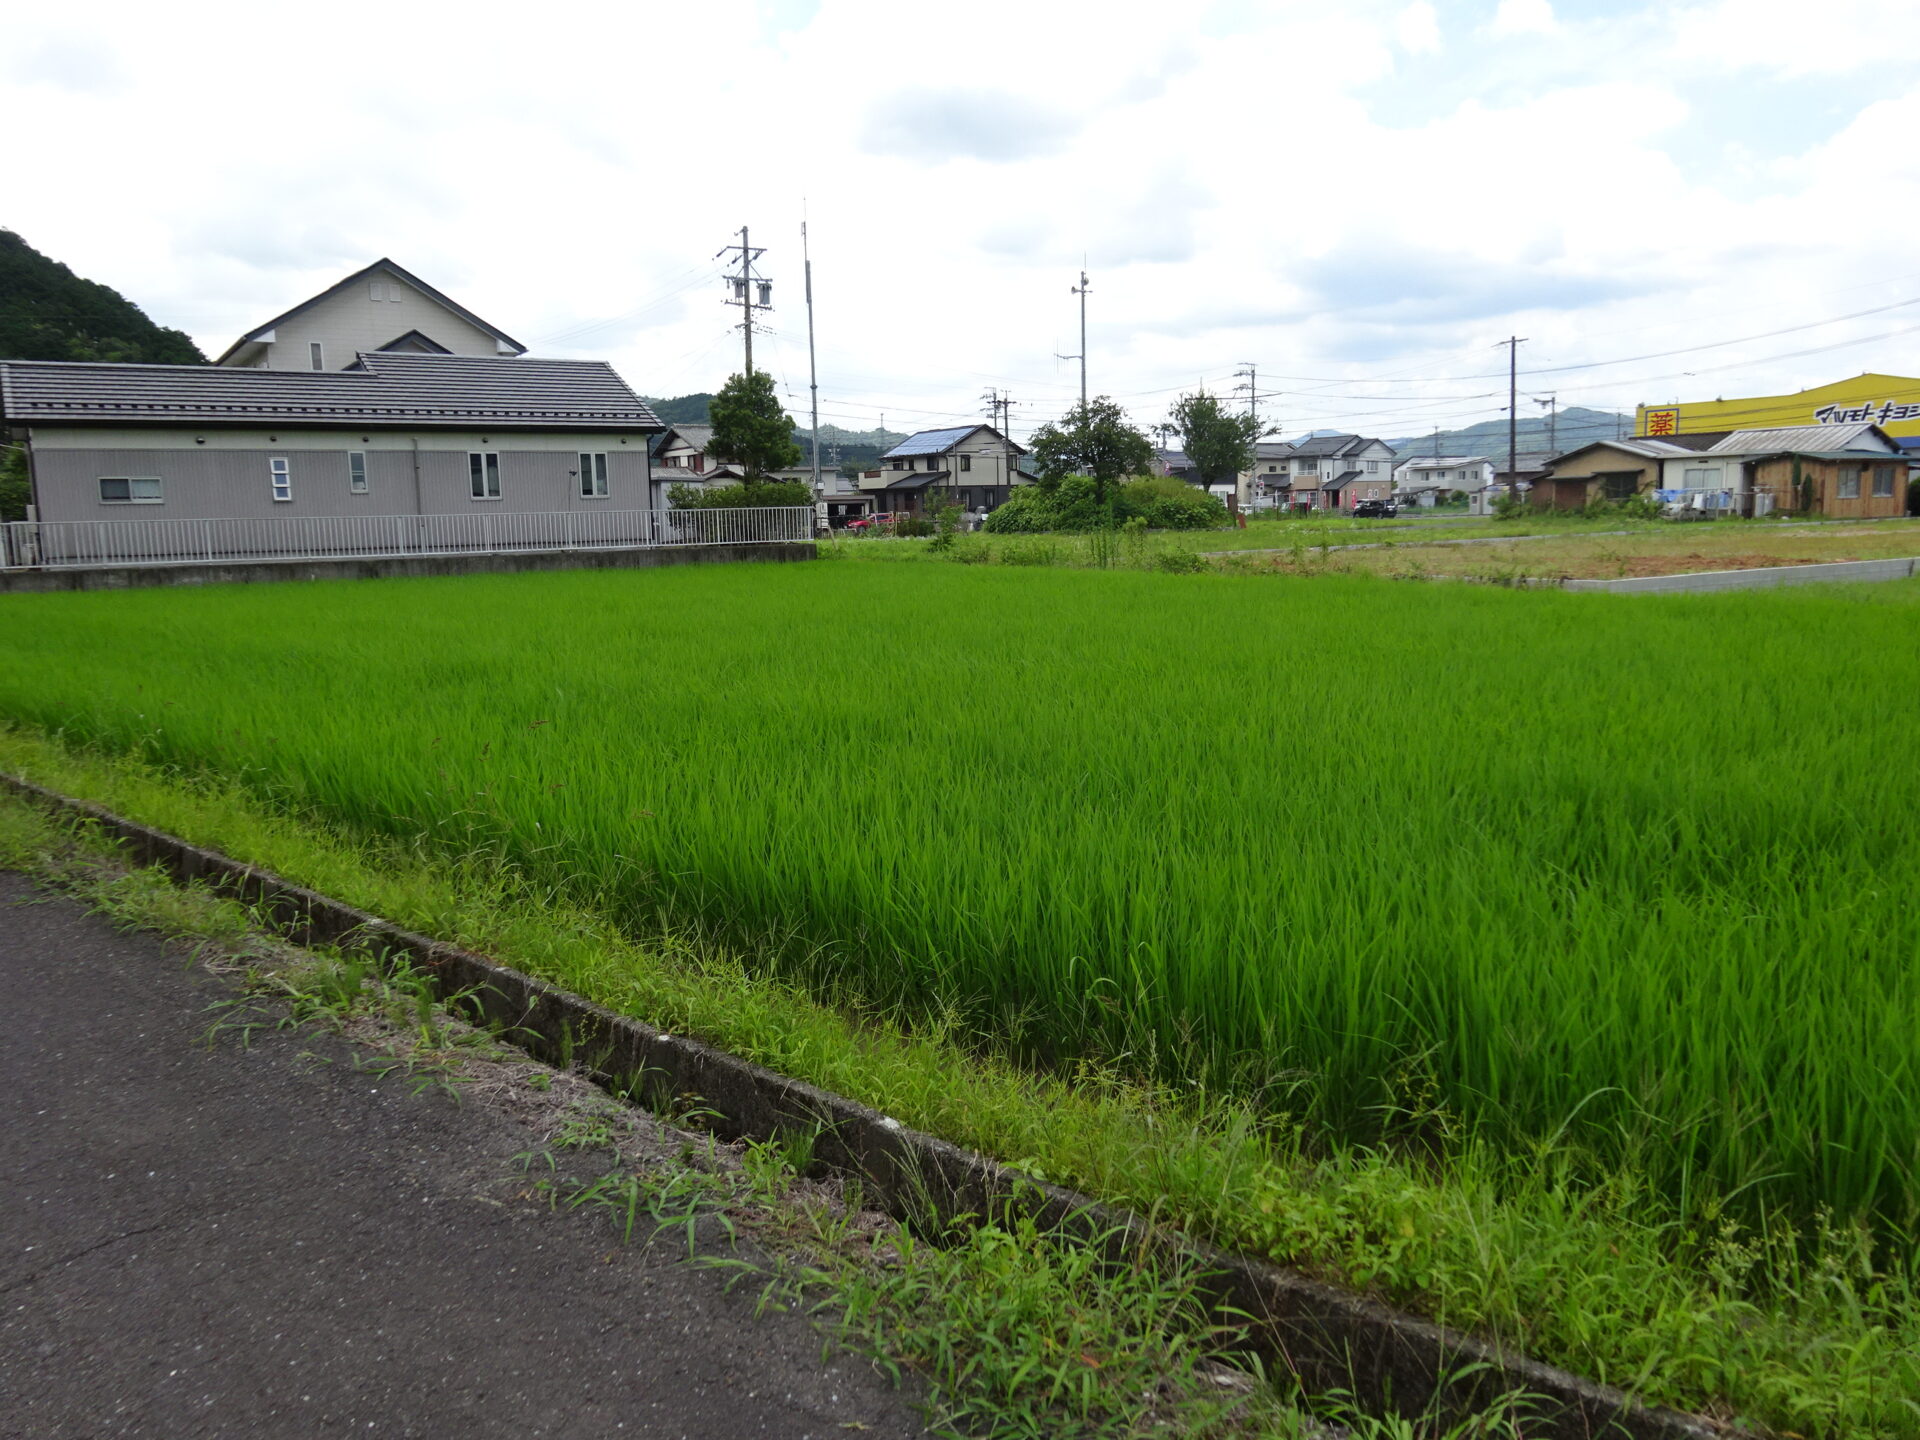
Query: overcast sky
point(1361, 199)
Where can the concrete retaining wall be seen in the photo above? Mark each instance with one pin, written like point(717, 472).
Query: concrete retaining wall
point(1331, 1339)
point(244, 572)
point(1838, 572)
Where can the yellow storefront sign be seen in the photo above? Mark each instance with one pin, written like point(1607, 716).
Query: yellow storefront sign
point(1890, 401)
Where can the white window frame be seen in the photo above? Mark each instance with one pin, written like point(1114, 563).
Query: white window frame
point(132, 497)
point(280, 477)
point(1847, 482)
point(316, 355)
point(1883, 474)
point(483, 475)
point(593, 475)
point(356, 472)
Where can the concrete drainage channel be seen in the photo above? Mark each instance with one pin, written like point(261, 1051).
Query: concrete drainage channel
point(1331, 1339)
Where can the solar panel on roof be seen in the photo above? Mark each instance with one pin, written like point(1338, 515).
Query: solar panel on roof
point(930, 442)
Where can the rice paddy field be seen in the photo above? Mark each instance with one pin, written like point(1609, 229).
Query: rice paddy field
point(1414, 863)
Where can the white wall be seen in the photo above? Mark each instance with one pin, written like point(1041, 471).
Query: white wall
point(352, 321)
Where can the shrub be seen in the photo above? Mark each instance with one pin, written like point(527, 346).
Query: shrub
point(1169, 504)
point(946, 524)
point(1073, 506)
point(734, 497)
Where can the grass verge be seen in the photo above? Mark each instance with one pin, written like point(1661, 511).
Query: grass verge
point(1600, 1278)
point(1008, 1330)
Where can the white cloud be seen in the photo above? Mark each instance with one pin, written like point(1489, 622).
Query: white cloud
point(1523, 17)
point(1417, 28)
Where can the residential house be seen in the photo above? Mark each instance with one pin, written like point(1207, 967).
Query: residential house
point(400, 434)
point(380, 308)
point(1604, 470)
point(1427, 482)
point(1268, 483)
point(973, 466)
point(1336, 472)
point(683, 455)
point(1823, 469)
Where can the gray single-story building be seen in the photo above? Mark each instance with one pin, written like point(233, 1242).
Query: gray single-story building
point(398, 433)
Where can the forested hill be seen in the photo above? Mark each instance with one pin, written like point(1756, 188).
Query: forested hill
point(49, 313)
point(681, 409)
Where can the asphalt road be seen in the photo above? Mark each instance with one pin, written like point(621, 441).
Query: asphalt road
point(199, 1242)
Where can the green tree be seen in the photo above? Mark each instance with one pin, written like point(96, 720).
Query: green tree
point(1095, 440)
point(1218, 444)
point(750, 428)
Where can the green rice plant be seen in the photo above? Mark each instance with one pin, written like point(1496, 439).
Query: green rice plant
point(1542, 867)
point(1810, 1330)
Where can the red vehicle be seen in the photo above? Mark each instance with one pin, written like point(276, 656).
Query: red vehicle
point(869, 522)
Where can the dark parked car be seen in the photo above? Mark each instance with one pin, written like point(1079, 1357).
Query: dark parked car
point(1375, 510)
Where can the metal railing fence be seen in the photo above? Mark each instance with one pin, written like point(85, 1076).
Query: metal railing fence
point(29, 544)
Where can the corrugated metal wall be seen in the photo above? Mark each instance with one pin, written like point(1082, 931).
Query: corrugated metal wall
point(205, 484)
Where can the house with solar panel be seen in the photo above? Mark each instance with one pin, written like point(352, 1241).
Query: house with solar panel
point(972, 466)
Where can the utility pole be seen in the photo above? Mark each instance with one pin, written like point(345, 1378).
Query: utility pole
point(1552, 402)
point(746, 287)
point(1000, 411)
point(1436, 442)
point(1252, 387)
point(1081, 290)
point(1513, 344)
point(813, 373)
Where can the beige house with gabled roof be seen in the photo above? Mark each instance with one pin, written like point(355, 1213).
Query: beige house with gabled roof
point(380, 308)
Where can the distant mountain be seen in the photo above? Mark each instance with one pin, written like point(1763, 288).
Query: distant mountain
point(49, 313)
point(1573, 428)
point(682, 409)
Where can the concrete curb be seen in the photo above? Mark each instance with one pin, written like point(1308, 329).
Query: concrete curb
point(1330, 1338)
point(391, 567)
point(1762, 578)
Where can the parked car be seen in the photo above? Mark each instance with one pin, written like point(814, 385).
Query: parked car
point(1375, 510)
point(869, 522)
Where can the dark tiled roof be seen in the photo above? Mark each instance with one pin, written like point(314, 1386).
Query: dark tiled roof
point(1329, 445)
point(385, 389)
point(916, 480)
point(499, 336)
